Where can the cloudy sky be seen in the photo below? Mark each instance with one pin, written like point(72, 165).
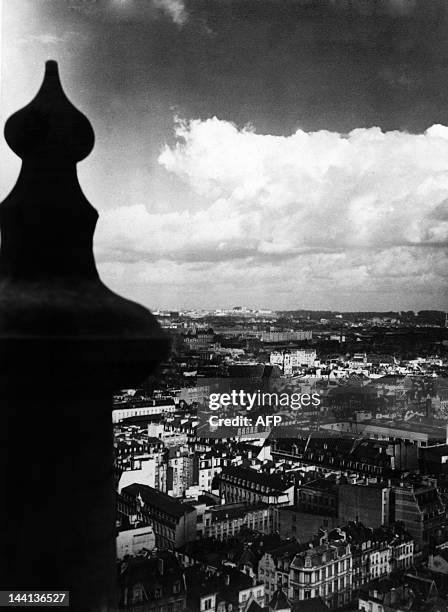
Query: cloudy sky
point(270, 153)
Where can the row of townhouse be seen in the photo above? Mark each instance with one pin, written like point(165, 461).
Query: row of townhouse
point(337, 564)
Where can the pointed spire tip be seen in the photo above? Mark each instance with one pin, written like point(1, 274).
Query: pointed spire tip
point(51, 68)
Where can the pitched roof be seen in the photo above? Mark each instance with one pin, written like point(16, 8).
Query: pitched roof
point(279, 600)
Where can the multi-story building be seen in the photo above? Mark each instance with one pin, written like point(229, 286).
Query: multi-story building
point(375, 552)
point(151, 585)
point(174, 523)
point(150, 469)
point(380, 560)
point(408, 592)
point(320, 496)
point(421, 509)
point(286, 336)
point(131, 542)
point(289, 361)
point(322, 571)
point(229, 589)
point(180, 472)
point(402, 547)
point(296, 523)
point(377, 458)
point(199, 339)
point(142, 408)
point(274, 566)
point(209, 464)
point(237, 484)
point(365, 503)
point(227, 520)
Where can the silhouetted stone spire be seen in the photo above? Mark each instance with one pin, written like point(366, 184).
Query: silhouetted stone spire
point(46, 222)
point(66, 342)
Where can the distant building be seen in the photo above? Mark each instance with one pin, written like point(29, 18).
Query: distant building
point(375, 552)
point(238, 484)
point(209, 465)
point(156, 583)
point(434, 459)
point(294, 522)
point(289, 361)
point(180, 472)
point(142, 408)
point(368, 504)
point(376, 458)
point(419, 434)
point(319, 496)
point(199, 339)
point(400, 595)
point(322, 571)
point(174, 523)
point(227, 590)
point(227, 520)
point(274, 565)
point(130, 542)
point(286, 336)
point(149, 470)
point(420, 508)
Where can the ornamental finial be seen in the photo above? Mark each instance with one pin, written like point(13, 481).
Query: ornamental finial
point(50, 126)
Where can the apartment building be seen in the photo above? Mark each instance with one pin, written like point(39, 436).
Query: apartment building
point(227, 520)
point(421, 509)
point(322, 571)
point(237, 484)
point(174, 523)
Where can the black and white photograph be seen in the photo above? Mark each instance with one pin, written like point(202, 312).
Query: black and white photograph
point(224, 305)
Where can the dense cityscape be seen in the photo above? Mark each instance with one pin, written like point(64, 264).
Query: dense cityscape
point(341, 504)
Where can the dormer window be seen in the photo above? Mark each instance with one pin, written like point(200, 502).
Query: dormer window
point(176, 587)
point(307, 561)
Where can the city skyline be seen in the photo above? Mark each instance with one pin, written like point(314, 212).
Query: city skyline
point(295, 158)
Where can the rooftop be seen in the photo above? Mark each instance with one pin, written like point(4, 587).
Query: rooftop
point(156, 499)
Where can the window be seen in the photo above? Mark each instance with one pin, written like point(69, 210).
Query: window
point(307, 594)
point(176, 587)
point(137, 595)
point(208, 604)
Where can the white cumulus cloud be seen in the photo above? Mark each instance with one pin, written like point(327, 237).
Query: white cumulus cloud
point(358, 213)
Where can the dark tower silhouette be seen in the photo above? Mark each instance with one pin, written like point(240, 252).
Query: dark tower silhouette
point(66, 341)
